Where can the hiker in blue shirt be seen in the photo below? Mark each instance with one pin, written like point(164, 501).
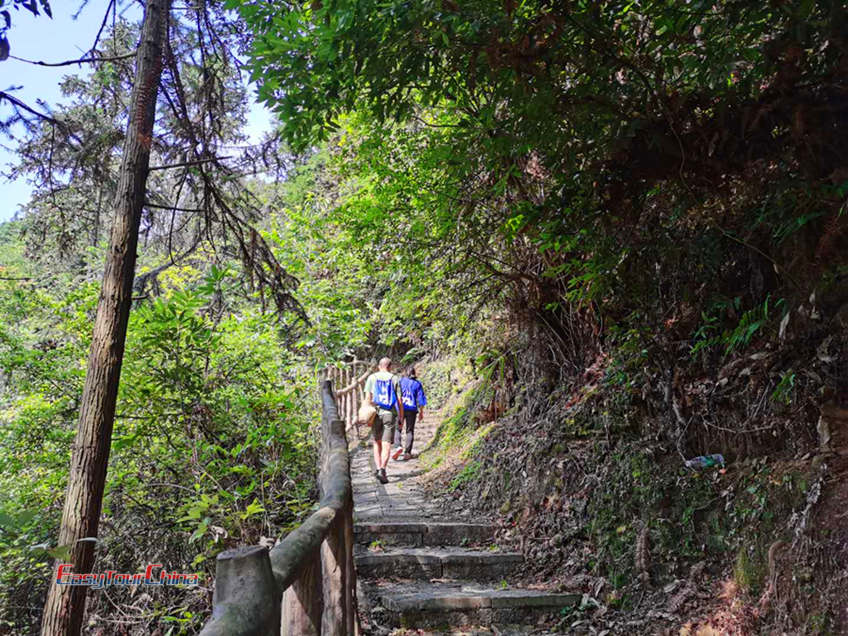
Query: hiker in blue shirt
point(414, 400)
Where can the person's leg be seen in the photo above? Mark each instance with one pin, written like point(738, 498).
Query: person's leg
point(387, 434)
point(384, 458)
point(377, 431)
point(409, 426)
point(397, 440)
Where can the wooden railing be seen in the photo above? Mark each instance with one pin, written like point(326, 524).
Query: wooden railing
point(306, 584)
point(351, 377)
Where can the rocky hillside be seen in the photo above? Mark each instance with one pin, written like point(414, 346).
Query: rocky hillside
point(600, 504)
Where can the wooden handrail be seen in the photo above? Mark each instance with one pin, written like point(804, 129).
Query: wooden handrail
point(349, 399)
point(306, 584)
point(358, 382)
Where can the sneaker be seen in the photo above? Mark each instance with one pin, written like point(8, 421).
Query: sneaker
point(396, 453)
point(381, 475)
point(407, 456)
point(377, 475)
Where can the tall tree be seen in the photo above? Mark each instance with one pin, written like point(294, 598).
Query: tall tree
point(65, 605)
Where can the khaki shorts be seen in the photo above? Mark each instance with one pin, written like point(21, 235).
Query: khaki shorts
point(384, 425)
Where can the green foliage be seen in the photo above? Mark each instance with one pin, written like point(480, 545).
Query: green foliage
point(213, 445)
point(737, 338)
point(436, 377)
point(750, 323)
point(783, 392)
point(692, 515)
point(457, 428)
point(468, 474)
point(317, 61)
point(567, 164)
point(334, 284)
point(529, 183)
point(242, 408)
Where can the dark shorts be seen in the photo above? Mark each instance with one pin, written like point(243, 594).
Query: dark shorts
point(384, 425)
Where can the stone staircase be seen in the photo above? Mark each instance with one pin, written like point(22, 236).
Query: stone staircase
point(418, 572)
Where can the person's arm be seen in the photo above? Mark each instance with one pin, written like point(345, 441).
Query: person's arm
point(422, 402)
point(399, 399)
point(369, 391)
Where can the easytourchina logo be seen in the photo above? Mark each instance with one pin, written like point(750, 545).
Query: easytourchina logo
point(152, 575)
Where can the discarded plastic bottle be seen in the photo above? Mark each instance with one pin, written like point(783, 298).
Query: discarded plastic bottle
point(705, 461)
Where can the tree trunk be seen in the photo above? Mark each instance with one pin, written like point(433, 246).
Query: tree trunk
point(65, 606)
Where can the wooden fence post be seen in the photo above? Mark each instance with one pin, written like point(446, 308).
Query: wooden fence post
point(334, 570)
point(351, 610)
point(342, 400)
point(303, 601)
point(245, 600)
point(348, 411)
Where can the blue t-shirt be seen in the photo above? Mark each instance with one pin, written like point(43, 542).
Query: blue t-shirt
point(412, 394)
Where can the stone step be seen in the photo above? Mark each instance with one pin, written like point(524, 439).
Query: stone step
point(436, 563)
point(426, 605)
point(423, 533)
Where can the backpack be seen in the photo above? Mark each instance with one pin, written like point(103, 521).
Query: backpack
point(385, 394)
point(407, 393)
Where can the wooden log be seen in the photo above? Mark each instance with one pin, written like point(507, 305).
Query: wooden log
point(246, 601)
point(339, 551)
point(347, 399)
point(357, 383)
point(352, 406)
point(303, 602)
point(290, 555)
point(356, 402)
point(334, 565)
point(342, 399)
point(351, 610)
point(348, 418)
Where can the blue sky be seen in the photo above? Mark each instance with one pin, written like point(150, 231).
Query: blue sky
point(59, 39)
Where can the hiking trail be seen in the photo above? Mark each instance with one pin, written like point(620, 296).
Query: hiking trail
point(418, 571)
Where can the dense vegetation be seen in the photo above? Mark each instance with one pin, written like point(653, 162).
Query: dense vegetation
point(622, 222)
point(636, 212)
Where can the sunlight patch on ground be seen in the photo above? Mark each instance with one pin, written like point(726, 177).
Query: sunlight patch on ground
point(730, 616)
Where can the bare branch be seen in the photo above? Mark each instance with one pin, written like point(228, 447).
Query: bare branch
point(43, 116)
point(170, 207)
point(188, 163)
point(82, 60)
